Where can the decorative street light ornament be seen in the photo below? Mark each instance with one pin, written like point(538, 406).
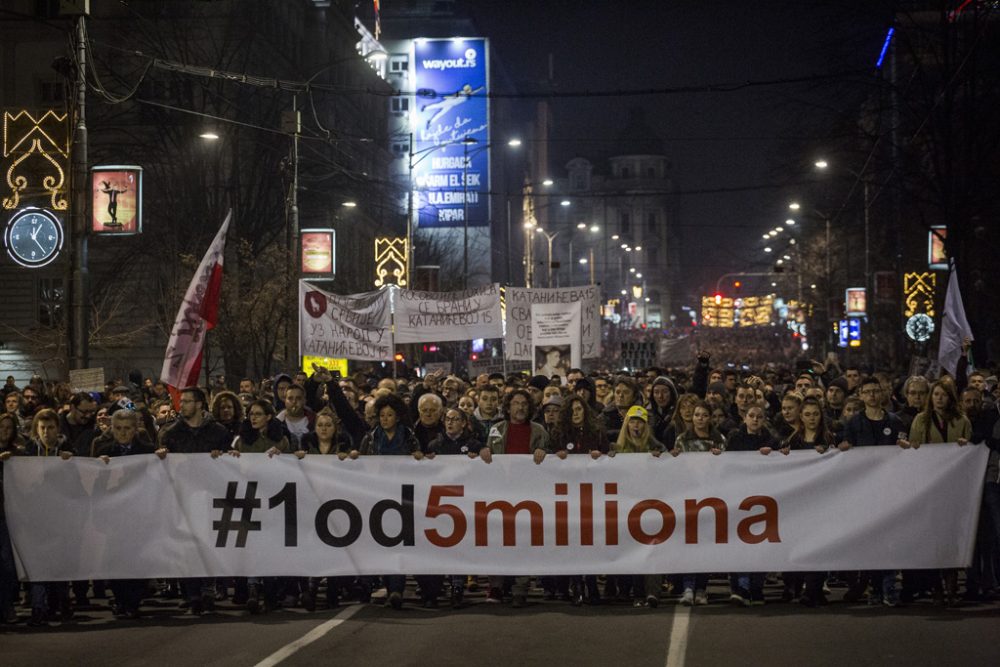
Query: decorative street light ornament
point(35, 157)
point(391, 257)
point(116, 200)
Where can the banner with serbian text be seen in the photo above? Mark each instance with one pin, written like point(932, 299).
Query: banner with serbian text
point(517, 339)
point(555, 335)
point(423, 317)
point(190, 515)
point(355, 326)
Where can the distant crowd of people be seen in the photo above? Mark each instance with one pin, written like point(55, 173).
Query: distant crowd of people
point(701, 409)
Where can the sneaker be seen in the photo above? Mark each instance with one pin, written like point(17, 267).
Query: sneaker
point(688, 598)
point(889, 602)
point(495, 596)
point(519, 601)
point(652, 601)
point(638, 603)
point(738, 600)
point(757, 601)
point(700, 598)
point(395, 600)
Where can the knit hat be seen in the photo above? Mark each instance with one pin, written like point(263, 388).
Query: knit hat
point(840, 382)
point(717, 388)
point(585, 383)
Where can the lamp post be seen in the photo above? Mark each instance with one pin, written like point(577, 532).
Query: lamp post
point(594, 229)
point(550, 238)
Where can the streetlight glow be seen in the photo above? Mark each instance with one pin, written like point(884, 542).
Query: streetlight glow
point(547, 181)
point(349, 204)
point(794, 206)
point(514, 143)
point(564, 202)
point(789, 222)
point(615, 237)
point(581, 225)
point(768, 249)
point(595, 228)
point(638, 248)
point(211, 136)
point(821, 164)
point(583, 260)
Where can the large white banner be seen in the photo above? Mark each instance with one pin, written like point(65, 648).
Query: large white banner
point(356, 326)
point(423, 317)
point(520, 301)
point(555, 335)
point(191, 515)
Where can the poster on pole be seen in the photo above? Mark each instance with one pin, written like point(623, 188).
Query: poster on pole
point(355, 326)
point(423, 317)
point(555, 338)
point(116, 200)
point(520, 303)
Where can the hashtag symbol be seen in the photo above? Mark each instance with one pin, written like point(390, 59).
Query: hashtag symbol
point(247, 504)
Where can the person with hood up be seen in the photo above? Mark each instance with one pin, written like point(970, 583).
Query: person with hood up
point(662, 405)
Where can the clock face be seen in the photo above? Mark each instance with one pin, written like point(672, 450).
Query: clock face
point(920, 327)
point(33, 237)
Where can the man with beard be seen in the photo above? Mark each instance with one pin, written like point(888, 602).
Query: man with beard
point(516, 435)
point(195, 432)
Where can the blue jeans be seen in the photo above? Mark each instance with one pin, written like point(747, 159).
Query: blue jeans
point(696, 582)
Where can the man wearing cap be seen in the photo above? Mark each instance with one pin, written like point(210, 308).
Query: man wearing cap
point(551, 407)
point(836, 394)
point(536, 387)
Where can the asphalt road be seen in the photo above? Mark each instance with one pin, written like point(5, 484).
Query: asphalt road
point(544, 633)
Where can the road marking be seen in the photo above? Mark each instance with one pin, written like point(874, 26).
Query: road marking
point(679, 637)
point(287, 651)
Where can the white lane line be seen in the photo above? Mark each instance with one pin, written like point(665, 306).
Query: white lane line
point(679, 637)
point(287, 651)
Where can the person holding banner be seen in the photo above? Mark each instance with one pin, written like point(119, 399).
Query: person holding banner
point(127, 439)
point(873, 427)
point(47, 441)
point(626, 394)
point(516, 435)
point(636, 437)
point(391, 437)
point(940, 421)
point(11, 444)
point(700, 437)
point(195, 431)
point(456, 439)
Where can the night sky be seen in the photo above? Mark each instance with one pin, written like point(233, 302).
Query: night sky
point(758, 141)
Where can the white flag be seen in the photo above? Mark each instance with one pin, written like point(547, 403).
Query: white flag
point(197, 314)
point(954, 327)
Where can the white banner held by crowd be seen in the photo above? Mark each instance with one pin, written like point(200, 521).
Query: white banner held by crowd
point(869, 508)
point(356, 326)
point(555, 337)
point(520, 300)
point(423, 317)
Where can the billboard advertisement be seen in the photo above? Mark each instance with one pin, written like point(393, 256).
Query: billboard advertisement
point(937, 256)
point(116, 198)
point(450, 122)
point(856, 301)
point(318, 247)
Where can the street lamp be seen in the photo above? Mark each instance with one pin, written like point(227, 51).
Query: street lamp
point(550, 238)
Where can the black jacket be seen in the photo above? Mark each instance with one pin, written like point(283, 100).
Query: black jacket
point(181, 438)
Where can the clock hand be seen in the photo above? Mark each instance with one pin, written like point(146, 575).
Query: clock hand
point(34, 234)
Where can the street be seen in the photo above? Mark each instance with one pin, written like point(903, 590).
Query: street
point(544, 632)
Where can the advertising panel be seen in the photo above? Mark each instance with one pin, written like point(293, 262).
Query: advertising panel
point(855, 301)
point(937, 258)
point(116, 200)
point(450, 123)
point(318, 254)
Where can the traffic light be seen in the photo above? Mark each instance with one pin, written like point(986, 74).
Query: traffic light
point(737, 284)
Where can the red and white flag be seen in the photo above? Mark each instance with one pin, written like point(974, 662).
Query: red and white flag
point(198, 314)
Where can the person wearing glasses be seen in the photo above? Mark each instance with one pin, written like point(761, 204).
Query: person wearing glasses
point(872, 427)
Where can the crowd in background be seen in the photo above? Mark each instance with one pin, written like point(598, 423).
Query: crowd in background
point(703, 408)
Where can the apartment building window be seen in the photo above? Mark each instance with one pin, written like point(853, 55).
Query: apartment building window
point(400, 104)
point(399, 64)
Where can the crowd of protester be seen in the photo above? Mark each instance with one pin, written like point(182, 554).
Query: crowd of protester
point(700, 409)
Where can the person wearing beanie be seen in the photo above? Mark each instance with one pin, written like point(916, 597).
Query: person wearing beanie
point(662, 405)
point(536, 387)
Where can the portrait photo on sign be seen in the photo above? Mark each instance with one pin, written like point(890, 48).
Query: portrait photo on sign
point(116, 199)
point(552, 360)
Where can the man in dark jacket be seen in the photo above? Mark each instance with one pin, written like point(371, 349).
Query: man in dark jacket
point(195, 432)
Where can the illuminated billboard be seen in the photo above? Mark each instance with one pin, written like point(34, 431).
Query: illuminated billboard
point(318, 254)
point(937, 257)
point(116, 200)
point(855, 301)
point(450, 123)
